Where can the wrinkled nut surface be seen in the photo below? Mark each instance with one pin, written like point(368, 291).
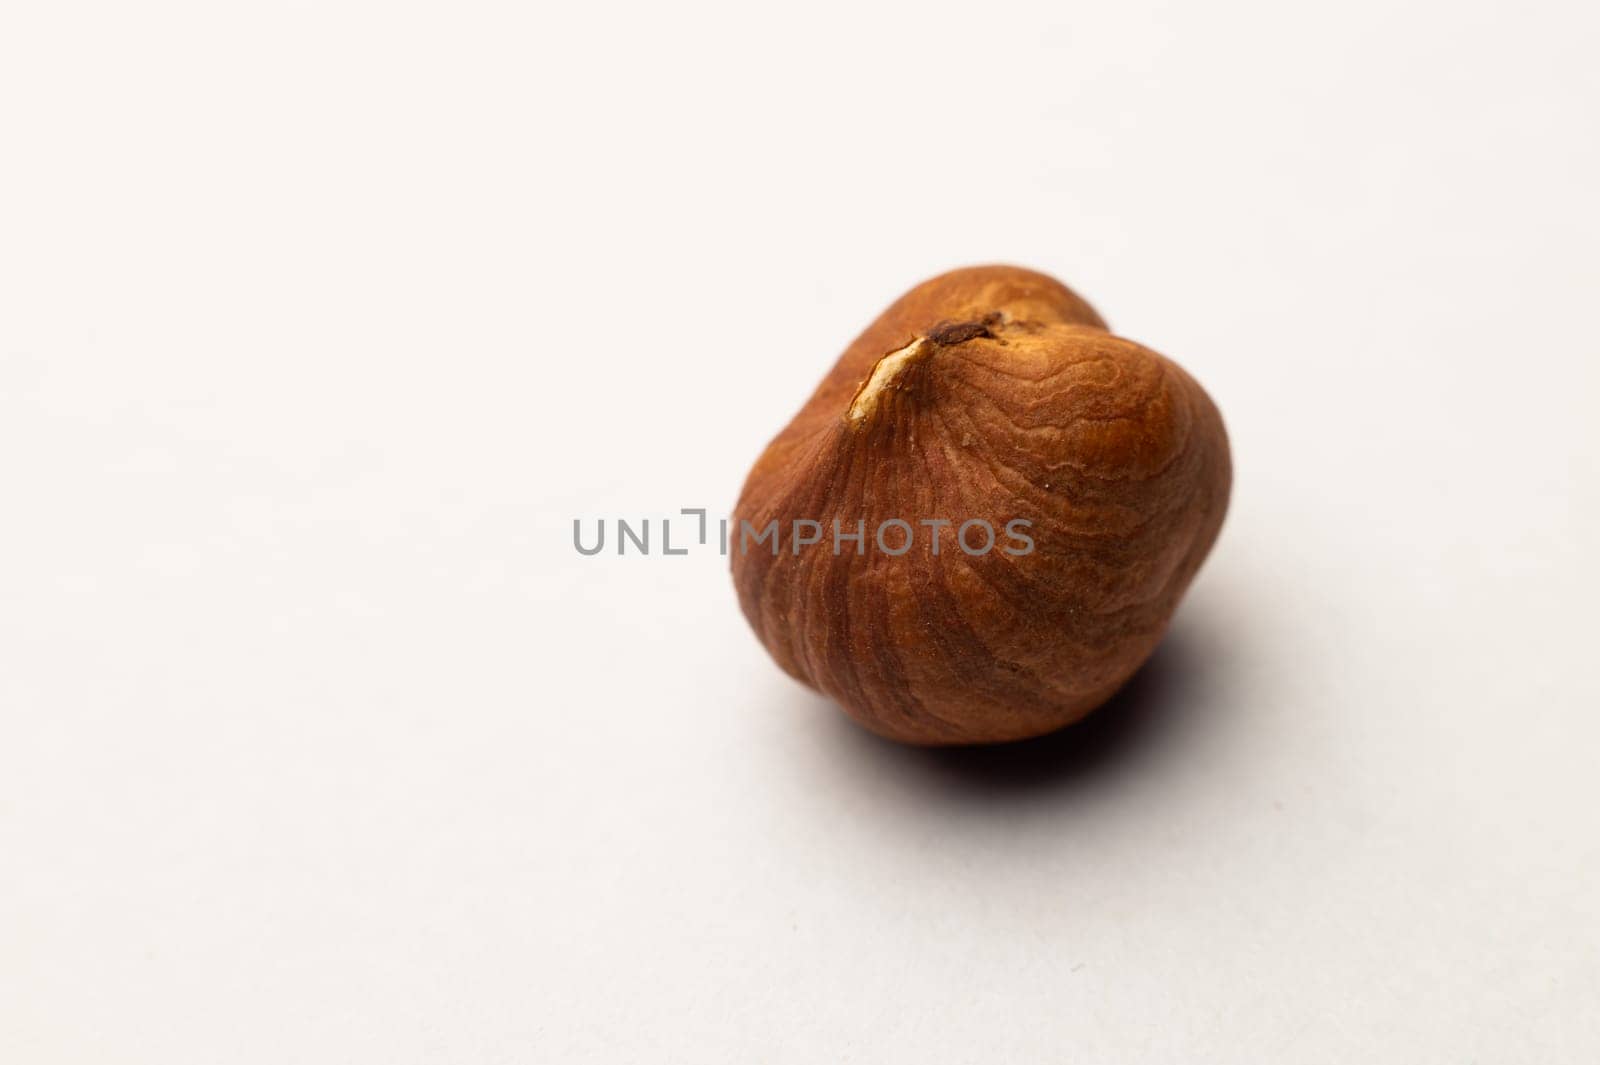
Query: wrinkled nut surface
point(990, 393)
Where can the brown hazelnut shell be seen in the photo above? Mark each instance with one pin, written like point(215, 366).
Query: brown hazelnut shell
point(991, 393)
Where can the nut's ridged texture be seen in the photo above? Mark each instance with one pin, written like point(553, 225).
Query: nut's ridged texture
point(990, 393)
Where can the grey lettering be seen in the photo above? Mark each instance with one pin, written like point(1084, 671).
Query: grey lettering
point(859, 536)
point(745, 531)
point(623, 531)
point(666, 540)
point(937, 525)
point(701, 511)
point(576, 542)
point(988, 530)
point(910, 535)
point(1012, 528)
point(802, 541)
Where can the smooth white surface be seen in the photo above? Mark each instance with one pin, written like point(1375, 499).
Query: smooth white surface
point(319, 742)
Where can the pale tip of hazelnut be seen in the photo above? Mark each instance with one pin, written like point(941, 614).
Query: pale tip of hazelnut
point(882, 377)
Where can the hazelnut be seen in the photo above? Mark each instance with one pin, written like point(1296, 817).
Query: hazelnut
point(991, 398)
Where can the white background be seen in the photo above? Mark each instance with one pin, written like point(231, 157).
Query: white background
point(320, 323)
